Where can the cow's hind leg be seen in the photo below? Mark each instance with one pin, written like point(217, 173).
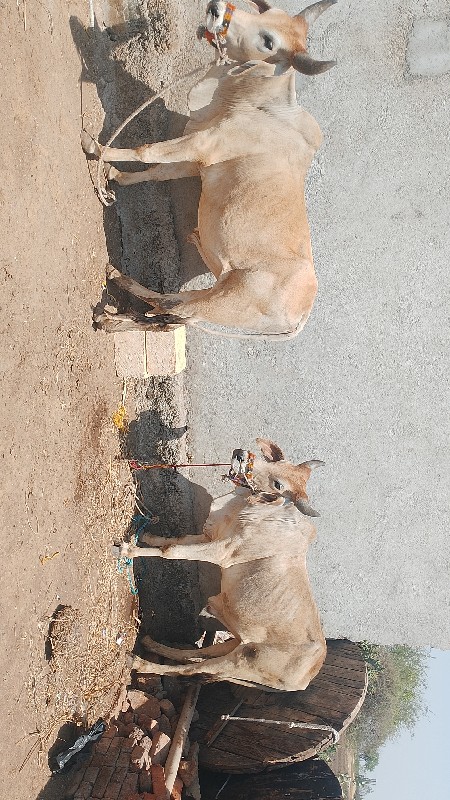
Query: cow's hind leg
point(114, 323)
point(227, 667)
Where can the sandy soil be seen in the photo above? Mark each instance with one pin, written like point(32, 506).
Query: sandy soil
point(64, 496)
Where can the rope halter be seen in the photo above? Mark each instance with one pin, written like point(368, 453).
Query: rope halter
point(241, 469)
point(218, 36)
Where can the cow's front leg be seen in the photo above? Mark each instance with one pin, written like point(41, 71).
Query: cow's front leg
point(212, 552)
point(195, 147)
point(157, 172)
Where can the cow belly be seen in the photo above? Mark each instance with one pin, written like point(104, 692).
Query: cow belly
point(269, 600)
point(238, 199)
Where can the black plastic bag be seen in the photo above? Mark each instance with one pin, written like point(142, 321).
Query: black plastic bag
point(91, 735)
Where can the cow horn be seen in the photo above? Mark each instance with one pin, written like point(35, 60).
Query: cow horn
point(304, 508)
point(313, 464)
point(302, 62)
point(311, 13)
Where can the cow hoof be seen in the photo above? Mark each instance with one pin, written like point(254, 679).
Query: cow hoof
point(112, 274)
point(111, 173)
point(106, 321)
point(90, 146)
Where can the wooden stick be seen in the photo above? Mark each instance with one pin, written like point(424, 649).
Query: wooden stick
point(180, 736)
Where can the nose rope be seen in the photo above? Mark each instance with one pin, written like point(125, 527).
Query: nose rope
point(138, 465)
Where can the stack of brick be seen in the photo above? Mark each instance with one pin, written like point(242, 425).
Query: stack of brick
point(127, 762)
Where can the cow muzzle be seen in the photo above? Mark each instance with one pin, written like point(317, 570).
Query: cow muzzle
point(241, 469)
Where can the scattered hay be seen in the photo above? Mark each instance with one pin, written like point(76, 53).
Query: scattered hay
point(87, 646)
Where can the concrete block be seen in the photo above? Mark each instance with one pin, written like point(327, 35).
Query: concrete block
point(166, 351)
point(428, 50)
point(141, 354)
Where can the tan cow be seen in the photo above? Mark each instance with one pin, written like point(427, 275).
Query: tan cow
point(259, 535)
point(252, 146)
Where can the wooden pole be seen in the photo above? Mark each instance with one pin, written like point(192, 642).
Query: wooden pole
point(180, 736)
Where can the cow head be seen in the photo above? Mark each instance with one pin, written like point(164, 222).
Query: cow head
point(272, 478)
point(272, 35)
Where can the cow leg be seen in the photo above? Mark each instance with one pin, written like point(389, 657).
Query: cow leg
point(157, 172)
point(163, 541)
point(237, 299)
point(193, 147)
point(212, 552)
point(226, 667)
point(184, 656)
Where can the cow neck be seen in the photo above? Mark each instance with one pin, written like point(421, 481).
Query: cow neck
point(257, 85)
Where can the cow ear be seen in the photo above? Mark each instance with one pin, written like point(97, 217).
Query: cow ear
point(302, 62)
point(259, 5)
point(270, 450)
point(264, 498)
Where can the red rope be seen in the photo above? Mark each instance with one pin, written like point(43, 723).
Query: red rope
point(142, 465)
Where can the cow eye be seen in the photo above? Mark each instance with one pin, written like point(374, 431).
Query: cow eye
point(277, 485)
point(268, 42)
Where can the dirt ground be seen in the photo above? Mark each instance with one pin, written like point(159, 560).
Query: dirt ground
point(64, 496)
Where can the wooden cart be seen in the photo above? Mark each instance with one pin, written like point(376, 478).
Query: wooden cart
point(332, 699)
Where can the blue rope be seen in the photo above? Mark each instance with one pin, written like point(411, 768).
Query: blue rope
point(125, 564)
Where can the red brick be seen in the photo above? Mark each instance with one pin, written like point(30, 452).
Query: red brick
point(167, 708)
point(102, 746)
point(159, 782)
point(143, 705)
point(91, 774)
point(123, 760)
point(145, 780)
point(75, 780)
point(164, 725)
point(102, 781)
point(127, 745)
point(129, 786)
point(113, 752)
point(177, 789)
point(160, 748)
point(148, 796)
point(112, 791)
point(125, 730)
point(110, 732)
point(149, 683)
point(152, 726)
point(119, 774)
point(98, 760)
point(84, 791)
point(127, 718)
